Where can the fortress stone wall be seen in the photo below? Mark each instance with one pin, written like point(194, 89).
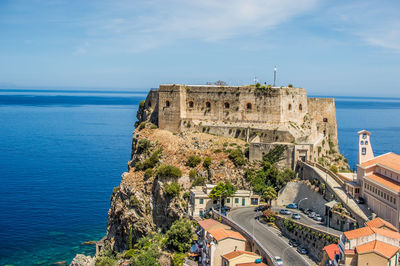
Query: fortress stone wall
point(264, 117)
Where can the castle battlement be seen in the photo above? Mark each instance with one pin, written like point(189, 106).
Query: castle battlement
point(265, 115)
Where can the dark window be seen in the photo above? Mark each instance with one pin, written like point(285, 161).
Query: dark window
point(208, 104)
point(366, 142)
point(290, 107)
point(362, 142)
point(228, 200)
point(325, 119)
point(364, 135)
point(300, 107)
point(364, 151)
point(236, 200)
point(226, 105)
point(248, 106)
point(167, 104)
point(191, 104)
point(201, 201)
point(357, 190)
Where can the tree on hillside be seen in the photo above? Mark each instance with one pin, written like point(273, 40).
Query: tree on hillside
point(270, 194)
point(222, 190)
point(276, 154)
point(180, 235)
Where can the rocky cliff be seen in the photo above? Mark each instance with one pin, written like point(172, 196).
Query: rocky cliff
point(141, 204)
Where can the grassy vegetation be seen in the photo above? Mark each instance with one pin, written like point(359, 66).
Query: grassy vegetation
point(193, 161)
point(169, 171)
point(172, 189)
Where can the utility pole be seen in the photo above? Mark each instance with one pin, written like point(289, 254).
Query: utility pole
point(274, 76)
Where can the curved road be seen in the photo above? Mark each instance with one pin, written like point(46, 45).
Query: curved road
point(276, 245)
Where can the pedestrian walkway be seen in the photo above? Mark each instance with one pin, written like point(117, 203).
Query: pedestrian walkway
point(340, 193)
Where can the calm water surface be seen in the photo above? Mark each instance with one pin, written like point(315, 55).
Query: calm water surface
point(61, 153)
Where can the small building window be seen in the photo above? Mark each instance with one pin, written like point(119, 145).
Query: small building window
point(208, 104)
point(366, 142)
point(364, 151)
point(228, 200)
point(226, 105)
point(290, 107)
point(167, 104)
point(236, 200)
point(248, 106)
point(362, 142)
point(191, 104)
point(325, 120)
point(201, 201)
point(300, 107)
point(364, 135)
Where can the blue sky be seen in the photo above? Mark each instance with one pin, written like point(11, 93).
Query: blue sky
point(330, 47)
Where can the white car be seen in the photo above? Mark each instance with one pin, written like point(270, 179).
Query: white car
point(317, 218)
point(278, 261)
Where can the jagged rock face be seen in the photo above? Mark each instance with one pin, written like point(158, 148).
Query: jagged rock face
point(82, 260)
point(141, 205)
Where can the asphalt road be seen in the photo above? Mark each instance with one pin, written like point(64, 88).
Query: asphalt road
point(309, 221)
point(268, 237)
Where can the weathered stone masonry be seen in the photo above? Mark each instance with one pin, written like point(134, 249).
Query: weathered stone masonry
point(264, 117)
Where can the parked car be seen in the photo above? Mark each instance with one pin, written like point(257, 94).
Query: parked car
point(302, 250)
point(285, 212)
point(293, 243)
point(311, 214)
point(278, 261)
point(291, 206)
point(317, 218)
point(259, 208)
point(307, 211)
point(226, 208)
point(361, 200)
point(296, 216)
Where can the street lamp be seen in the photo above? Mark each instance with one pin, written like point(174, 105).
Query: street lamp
point(298, 205)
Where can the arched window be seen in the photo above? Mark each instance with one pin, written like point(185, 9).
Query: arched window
point(248, 106)
point(167, 104)
point(300, 107)
point(191, 104)
point(290, 107)
point(362, 142)
point(325, 120)
point(226, 105)
point(208, 104)
point(366, 142)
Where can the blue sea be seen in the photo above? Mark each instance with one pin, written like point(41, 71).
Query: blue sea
point(63, 151)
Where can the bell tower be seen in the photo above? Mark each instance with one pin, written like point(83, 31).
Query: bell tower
point(365, 152)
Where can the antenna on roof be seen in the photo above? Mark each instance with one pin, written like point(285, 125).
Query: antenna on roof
point(274, 76)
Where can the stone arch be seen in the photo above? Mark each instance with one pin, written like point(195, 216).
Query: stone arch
point(191, 104)
point(300, 107)
point(167, 104)
point(226, 105)
point(290, 106)
point(208, 104)
point(249, 106)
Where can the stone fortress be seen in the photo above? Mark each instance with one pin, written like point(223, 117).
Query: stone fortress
point(262, 116)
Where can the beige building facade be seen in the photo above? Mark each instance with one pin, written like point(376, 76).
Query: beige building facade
point(200, 202)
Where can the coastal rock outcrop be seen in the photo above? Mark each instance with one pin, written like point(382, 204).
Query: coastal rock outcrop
point(82, 260)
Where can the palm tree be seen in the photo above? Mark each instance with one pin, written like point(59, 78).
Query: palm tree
point(270, 194)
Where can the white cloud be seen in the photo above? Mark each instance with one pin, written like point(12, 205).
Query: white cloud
point(139, 25)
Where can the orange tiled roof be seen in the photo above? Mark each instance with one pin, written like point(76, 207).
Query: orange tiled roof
point(379, 222)
point(360, 232)
point(221, 233)
point(331, 250)
point(205, 224)
point(379, 247)
point(391, 160)
point(251, 264)
point(238, 253)
point(386, 232)
point(385, 181)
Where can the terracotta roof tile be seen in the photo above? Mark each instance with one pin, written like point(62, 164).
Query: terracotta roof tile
point(379, 247)
point(384, 181)
point(360, 232)
point(251, 264)
point(207, 223)
point(221, 233)
point(390, 160)
point(238, 253)
point(386, 232)
point(331, 250)
point(379, 223)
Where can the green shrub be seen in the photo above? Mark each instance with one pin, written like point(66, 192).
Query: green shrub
point(217, 150)
point(149, 162)
point(172, 189)
point(225, 144)
point(115, 190)
point(199, 181)
point(141, 104)
point(148, 173)
point(290, 86)
point(105, 261)
point(129, 253)
point(169, 171)
point(236, 156)
point(222, 163)
point(134, 202)
point(207, 162)
point(192, 173)
point(258, 85)
point(178, 259)
point(193, 161)
point(143, 146)
point(334, 169)
point(186, 195)
point(179, 236)
point(153, 126)
point(142, 125)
